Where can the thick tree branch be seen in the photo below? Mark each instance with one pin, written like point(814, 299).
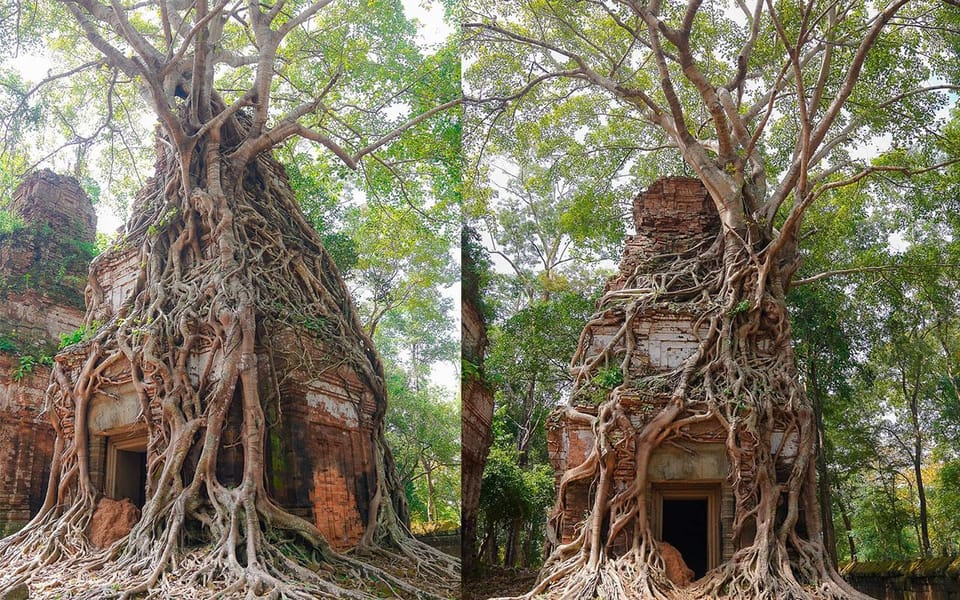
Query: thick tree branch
point(872, 269)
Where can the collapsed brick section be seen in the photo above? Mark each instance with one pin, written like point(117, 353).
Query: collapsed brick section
point(43, 267)
point(58, 201)
point(673, 215)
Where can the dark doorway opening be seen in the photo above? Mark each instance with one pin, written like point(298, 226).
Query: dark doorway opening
point(132, 476)
point(127, 467)
point(685, 523)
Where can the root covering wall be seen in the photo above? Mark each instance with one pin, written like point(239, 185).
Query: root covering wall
point(320, 415)
point(674, 215)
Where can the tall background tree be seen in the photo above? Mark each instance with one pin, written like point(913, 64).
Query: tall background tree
point(230, 81)
point(773, 106)
point(545, 265)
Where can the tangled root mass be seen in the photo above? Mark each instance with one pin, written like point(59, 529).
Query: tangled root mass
point(226, 258)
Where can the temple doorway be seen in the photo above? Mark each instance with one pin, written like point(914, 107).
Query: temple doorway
point(687, 517)
point(126, 472)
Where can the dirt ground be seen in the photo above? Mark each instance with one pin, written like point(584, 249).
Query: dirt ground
point(496, 582)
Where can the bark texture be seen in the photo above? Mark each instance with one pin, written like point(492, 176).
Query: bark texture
point(477, 411)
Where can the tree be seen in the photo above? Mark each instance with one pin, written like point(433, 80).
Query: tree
point(423, 431)
point(511, 496)
point(764, 103)
point(227, 253)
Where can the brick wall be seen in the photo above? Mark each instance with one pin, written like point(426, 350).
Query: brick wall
point(43, 268)
point(922, 579)
point(26, 445)
point(59, 201)
point(320, 440)
point(674, 214)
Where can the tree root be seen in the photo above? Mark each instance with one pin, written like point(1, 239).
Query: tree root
point(225, 255)
point(742, 377)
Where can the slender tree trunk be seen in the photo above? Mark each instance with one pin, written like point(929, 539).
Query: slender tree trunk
point(431, 496)
point(824, 487)
point(493, 548)
point(890, 491)
point(913, 399)
point(922, 501)
point(911, 393)
point(513, 545)
point(924, 532)
point(847, 526)
point(527, 430)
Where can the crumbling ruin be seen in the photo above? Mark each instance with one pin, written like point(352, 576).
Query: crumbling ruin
point(689, 490)
point(318, 434)
point(43, 267)
point(320, 416)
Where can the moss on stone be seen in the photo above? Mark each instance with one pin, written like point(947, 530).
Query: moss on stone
point(921, 567)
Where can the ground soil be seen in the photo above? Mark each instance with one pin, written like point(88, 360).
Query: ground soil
point(498, 582)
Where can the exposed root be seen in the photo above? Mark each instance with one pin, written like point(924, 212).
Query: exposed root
point(743, 379)
point(226, 262)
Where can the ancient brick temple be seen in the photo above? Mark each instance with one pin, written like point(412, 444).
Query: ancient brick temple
point(320, 416)
point(689, 495)
point(43, 271)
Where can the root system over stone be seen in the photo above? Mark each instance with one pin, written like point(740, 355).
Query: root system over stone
point(741, 376)
point(226, 260)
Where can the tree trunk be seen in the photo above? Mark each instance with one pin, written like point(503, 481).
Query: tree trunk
point(922, 501)
point(490, 545)
point(529, 424)
point(848, 527)
point(512, 558)
point(226, 258)
point(921, 494)
point(824, 487)
point(477, 407)
point(431, 497)
point(913, 401)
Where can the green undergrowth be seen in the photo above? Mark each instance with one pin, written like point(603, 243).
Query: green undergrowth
point(434, 527)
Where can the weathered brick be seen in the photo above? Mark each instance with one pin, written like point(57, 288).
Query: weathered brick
point(33, 314)
point(674, 215)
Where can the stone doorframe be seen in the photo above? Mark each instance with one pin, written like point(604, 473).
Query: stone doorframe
point(690, 490)
point(132, 440)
